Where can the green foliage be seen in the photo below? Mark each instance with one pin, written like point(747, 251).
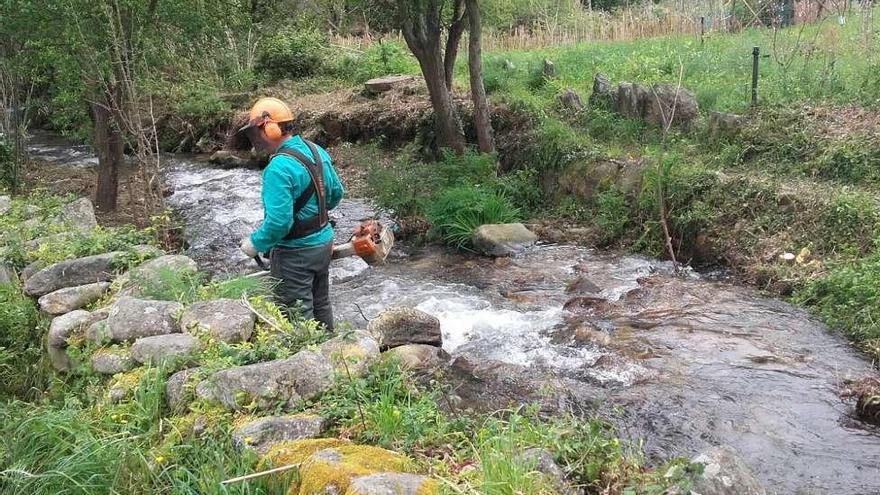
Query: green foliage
point(457, 212)
point(21, 366)
point(8, 172)
point(291, 52)
point(848, 225)
point(381, 59)
point(170, 285)
point(523, 189)
point(612, 213)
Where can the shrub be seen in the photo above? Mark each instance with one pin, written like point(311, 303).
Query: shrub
point(612, 213)
point(458, 211)
point(378, 60)
point(292, 52)
point(20, 351)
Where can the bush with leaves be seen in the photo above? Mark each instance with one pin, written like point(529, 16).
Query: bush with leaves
point(457, 212)
point(292, 52)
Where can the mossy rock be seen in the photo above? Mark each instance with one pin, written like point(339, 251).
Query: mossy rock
point(331, 465)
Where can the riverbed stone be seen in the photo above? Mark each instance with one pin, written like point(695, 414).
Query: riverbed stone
point(79, 214)
point(131, 319)
point(263, 433)
point(180, 389)
point(351, 353)
point(62, 328)
point(724, 473)
point(173, 348)
point(72, 273)
point(112, 361)
point(395, 327)
point(227, 320)
point(486, 385)
point(503, 239)
point(346, 269)
point(419, 358)
point(286, 382)
point(70, 298)
point(392, 484)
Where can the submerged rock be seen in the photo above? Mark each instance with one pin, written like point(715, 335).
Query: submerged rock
point(284, 382)
point(72, 273)
point(111, 361)
point(227, 320)
point(263, 433)
point(724, 473)
point(503, 239)
point(70, 298)
point(165, 349)
point(131, 319)
point(395, 327)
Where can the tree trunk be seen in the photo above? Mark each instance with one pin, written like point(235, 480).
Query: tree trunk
point(108, 144)
point(478, 92)
point(449, 133)
point(456, 29)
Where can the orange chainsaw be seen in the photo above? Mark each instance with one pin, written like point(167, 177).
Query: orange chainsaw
point(371, 241)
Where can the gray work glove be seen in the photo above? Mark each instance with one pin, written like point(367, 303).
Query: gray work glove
point(247, 247)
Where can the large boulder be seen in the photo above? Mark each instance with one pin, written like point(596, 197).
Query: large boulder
point(419, 358)
point(503, 239)
point(393, 484)
point(395, 327)
point(671, 105)
point(150, 274)
point(112, 361)
point(72, 273)
point(70, 298)
point(79, 214)
point(131, 319)
point(172, 349)
point(351, 353)
point(284, 382)
point(62, 328)
point(263, 433)
point(724, 473)
point(227, 320)
point(180, 389)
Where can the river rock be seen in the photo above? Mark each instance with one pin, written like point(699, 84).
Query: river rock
point(581, 286)
point(263, 433)
point(487, 385)
point(70, 298)
point(303, 376)
point(31, 269)
point(392, 484)
point(346, 269)
point(172, 348)
point(61, 328)
point(79, 214)
point(383, 84)
point(395, 327)
point(150, 274)
point(420, 358)
point(110, 361)
point(72, 273)
point(236, 159)
point(351, 353)
point(503, 239)
point(131, 319)
point(179, 390)
point(724, 473)
point(5, 204)
point(227, 320)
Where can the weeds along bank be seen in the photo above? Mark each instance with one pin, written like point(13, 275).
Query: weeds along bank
point(158, 380)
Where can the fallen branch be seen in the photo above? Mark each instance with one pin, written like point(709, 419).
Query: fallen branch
point(273, 324)
point(259, 474)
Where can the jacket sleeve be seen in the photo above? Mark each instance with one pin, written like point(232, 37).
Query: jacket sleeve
point(335, 190)
point(278, 192)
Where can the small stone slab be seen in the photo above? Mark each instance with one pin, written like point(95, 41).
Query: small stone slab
point(395, 327)
point(164, 349)
point(131, 319)
point(503, 239)
point(392, 484)
point(110, 362)
point(72, 273)
point(79, 214)
point(286, 382)
point(70, 298)
point(60, 330)
point(263, 433)
point(383, 84)
point(227, 320)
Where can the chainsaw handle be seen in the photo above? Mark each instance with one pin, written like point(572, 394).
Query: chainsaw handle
point(261, 263)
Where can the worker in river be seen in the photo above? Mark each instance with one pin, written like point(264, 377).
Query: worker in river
point(300, 186)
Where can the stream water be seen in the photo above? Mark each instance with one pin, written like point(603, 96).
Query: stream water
point(675, 360)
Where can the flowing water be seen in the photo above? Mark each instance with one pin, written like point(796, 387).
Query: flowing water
point(676, 360)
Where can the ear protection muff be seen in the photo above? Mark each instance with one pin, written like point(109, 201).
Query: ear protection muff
point(272, 130)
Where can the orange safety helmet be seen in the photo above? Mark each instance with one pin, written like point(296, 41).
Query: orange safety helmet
point(268, 113)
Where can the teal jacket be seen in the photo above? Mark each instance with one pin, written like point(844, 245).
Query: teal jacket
point(284, 179)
